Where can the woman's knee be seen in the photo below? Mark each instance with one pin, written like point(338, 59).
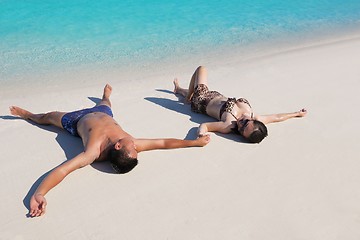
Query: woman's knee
point(201, 75)
point(201, 69)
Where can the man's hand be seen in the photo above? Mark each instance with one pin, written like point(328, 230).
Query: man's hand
point(203, 140)
point(37, 205)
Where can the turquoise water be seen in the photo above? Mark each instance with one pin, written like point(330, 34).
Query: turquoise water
point(40, 36)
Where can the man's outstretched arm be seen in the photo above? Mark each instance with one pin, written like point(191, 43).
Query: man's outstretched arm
point(38, 202)
point(169, 143)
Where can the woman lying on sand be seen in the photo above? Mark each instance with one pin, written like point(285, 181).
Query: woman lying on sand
point(234, 115)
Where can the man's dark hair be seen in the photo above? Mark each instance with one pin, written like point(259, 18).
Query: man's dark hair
point(120, 160)
point(259, 133)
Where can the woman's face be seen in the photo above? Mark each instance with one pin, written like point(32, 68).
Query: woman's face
point(245, 126)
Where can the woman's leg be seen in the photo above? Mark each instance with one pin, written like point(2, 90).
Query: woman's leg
point(199, 77)
point(50, 118)
point(106, 96)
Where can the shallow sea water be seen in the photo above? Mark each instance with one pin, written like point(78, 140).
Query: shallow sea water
point(44, 36)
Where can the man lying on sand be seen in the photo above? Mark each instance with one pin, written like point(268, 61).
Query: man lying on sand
point(103, 139)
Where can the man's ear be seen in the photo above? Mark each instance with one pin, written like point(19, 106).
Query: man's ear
point(117, 146)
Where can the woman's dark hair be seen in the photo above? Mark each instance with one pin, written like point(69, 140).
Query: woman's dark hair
point(120, 160)
point(259, 133)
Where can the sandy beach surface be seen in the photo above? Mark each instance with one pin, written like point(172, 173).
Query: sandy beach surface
point(302, 182)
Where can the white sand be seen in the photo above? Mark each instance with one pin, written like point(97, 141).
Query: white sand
point(302, 182)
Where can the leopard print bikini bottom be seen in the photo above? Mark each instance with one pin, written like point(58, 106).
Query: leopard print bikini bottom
point(201, 98)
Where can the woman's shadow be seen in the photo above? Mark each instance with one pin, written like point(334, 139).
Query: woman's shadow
point(72, 146)
point(180, 107)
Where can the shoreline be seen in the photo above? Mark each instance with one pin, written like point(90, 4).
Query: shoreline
point(217, 58)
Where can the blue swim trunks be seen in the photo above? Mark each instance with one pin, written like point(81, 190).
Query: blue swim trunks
point(69, 120)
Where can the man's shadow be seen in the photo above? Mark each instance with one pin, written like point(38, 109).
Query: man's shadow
point(72, 146)
point(180, 107)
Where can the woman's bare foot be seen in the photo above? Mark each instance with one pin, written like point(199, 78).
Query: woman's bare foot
point(176, 85)
point(107, 91)
point(183, 92)
point(16, 111)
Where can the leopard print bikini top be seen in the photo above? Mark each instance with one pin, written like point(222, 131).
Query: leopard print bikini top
point(229, 105)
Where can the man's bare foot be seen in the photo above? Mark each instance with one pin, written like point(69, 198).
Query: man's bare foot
point(16, 111)
point(107, 91)
point(176, 85)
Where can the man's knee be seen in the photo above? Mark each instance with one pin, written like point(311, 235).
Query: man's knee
point(53, 118)
point(105, 102)
point(47, 117)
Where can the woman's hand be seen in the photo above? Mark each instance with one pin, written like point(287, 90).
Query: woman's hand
point(302, 113)
point(37, 205)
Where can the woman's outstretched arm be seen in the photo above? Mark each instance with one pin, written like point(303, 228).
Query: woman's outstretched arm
point(280, 117)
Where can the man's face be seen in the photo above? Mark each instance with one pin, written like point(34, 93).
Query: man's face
point(129, 145)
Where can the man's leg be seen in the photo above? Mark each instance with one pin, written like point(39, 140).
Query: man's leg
point(199, 77)
point(50, 118)
point(106, 96)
